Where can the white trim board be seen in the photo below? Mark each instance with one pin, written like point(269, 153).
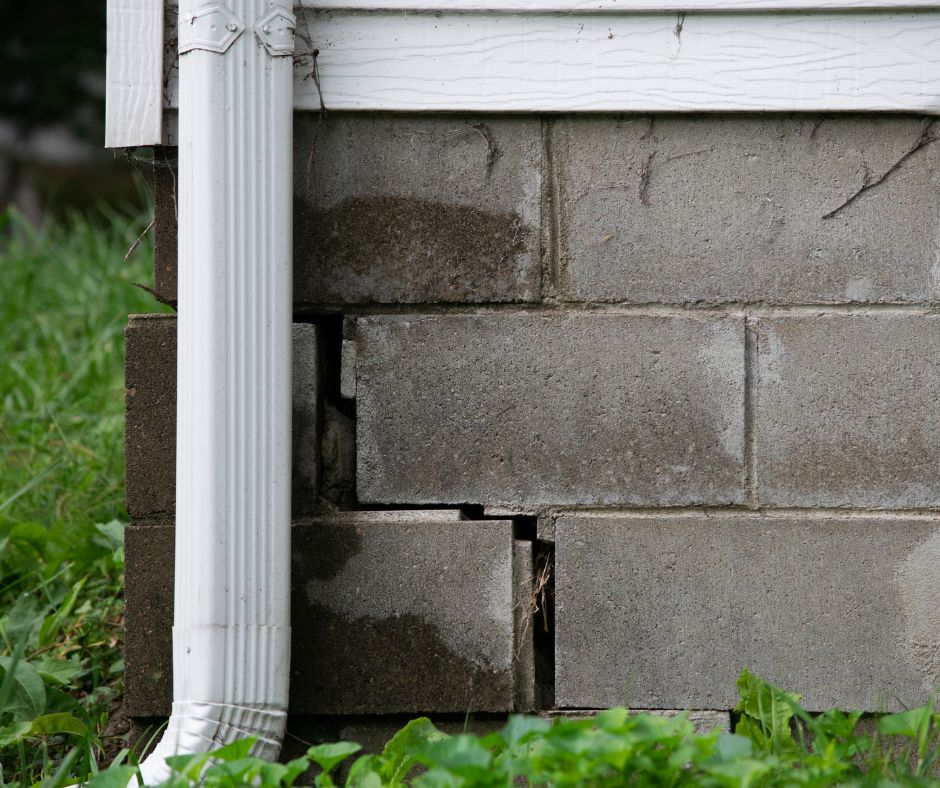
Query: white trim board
point(620, 6)
point(835, 61)
point(134, 73)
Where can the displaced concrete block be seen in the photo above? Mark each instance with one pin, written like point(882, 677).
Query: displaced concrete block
point(845, 410)
point(528, 409)
point(150, 416)
point(524, 612)
point(663, 611)
point(719, 209)
point(392, 612)
point(416, 209)
point(305, 418)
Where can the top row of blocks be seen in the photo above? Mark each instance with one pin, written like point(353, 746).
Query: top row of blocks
point(645, 210)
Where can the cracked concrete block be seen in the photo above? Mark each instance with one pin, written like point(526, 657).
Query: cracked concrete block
point(529, 409)
point(663, 611)
point(845, 410)
point(392, 612)
point(150, 416)
point(722, 209)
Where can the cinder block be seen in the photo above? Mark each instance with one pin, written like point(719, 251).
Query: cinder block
point(663, 611)
point(416, 209)
point(528, 409)
point(845, 410)
point(392, 612)
point(150, 416)
point(404, 209)
point(719, 209)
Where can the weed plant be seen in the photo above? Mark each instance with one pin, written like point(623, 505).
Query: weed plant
point(65, 293)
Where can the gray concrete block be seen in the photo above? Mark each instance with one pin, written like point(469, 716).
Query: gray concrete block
point(150, 416)
point(663, 611)
point(528, 409)
point(845, 410)
point(718, 209)
point(416, 209)
point(410, 209)
point(392, 612)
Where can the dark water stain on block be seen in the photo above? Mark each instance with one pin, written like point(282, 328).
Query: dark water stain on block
point(392, 612)
point(388, 249)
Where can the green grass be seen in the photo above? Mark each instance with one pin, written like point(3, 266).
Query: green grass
point(65, 293)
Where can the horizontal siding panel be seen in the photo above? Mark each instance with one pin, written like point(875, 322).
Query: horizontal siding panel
point(620, 62)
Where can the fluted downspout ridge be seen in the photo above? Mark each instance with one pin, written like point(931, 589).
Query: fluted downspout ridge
point(231, 632)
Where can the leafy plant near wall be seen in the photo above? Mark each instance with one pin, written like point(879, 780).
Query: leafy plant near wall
point(64, 300)
point(776, 743)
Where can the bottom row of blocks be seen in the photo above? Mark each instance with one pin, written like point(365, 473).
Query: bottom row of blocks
point(426, 612)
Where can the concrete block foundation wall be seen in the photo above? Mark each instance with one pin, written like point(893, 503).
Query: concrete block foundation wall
point(589, 410)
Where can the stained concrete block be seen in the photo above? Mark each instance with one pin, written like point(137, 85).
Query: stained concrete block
point(410, 209)
point(719, 209)
point(528, 409)
point(845, 410)
point(663, 611)
point(150, 416)
point(416, 209)
point(392, 612)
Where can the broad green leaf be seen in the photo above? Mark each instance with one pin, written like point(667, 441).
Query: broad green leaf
point(115, 777)
point(456, 753)
point(49, 724)
point(397, 756)
point(26, 694)
point(240, 748)
point(14, 732)
point(908, 724)
point(766, 712)
point(328, 756)
point(520, 728)
point(58, 671)
point(111, 535)
point(365, 773)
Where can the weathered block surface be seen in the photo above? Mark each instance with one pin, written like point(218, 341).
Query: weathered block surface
point(724, 209)
point(845, 410)
point(406, 209)
point(150, 416)
point(528, 409)
point(415, 209)
point(665, 610)
point(393, 612)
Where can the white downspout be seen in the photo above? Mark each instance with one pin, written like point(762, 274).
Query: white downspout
point(231, 633)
